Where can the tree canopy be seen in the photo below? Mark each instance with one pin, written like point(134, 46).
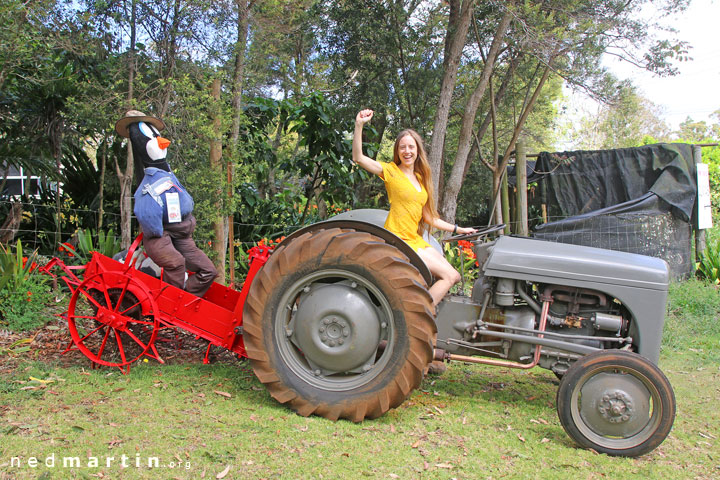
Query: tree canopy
point(259, 97)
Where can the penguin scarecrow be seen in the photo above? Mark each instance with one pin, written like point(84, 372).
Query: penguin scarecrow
point(164, 208)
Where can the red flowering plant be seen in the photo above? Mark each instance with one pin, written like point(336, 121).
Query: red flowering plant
point(242, 257)
point(461, 256)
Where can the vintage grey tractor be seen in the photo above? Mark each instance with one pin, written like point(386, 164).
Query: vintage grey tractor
point(339, 323)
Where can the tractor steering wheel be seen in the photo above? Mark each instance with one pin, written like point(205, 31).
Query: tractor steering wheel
point(484, 231)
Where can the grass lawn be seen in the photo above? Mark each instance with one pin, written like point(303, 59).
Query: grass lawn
point(192, 421)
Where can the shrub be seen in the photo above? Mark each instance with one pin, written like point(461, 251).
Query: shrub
point(108, 244)
point(708, 267)
point(15, 269)
point(26, 309)
point(24, 292)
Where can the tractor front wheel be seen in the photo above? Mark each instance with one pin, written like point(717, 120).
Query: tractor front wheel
point(339, 324)
point(616, 402)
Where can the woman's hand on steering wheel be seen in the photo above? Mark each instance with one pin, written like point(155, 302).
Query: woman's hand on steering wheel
point(466, 230)
point(475, 232)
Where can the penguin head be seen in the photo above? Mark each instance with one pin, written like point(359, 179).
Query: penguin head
point(148, 146)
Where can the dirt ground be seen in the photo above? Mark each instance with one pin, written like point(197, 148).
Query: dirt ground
point(50, 343)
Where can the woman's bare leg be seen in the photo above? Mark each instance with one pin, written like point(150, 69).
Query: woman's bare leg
point(441, 269)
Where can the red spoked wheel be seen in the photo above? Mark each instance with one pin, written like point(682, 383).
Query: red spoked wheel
point(113, 320)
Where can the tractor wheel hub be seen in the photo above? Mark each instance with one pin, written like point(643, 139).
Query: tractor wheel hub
point(615, 407)
point(336, 327)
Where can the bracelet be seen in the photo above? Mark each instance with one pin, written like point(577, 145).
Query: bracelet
point(455, 229)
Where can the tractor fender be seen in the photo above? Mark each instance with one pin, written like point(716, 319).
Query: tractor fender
point(371, 221)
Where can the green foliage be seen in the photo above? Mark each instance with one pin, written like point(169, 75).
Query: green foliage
point(24, 291)
point(242, 261)
point(26, 309)
point(326, 166)
point(16, 269)
point(627, 120)
point(266, 197)
point(258, 216)
point(695, 131)
point(711, 156)
point(108, 244)
point(708, 267)
point(298, 179)
point(393, 41)
point(81, 182)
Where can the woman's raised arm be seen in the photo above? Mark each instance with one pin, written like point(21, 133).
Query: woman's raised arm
point(358, 157)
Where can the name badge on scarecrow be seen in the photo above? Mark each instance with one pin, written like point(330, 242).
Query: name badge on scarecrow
point(173, 205)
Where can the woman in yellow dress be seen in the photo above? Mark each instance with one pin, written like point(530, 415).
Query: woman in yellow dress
point(409, 185)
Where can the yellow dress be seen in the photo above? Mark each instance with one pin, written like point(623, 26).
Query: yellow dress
point(406, 205)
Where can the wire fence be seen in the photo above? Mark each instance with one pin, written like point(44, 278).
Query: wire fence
point(663, 236)
point(660, 235)
point(38, 227)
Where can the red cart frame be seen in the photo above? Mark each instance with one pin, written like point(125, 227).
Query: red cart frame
point(116, 311)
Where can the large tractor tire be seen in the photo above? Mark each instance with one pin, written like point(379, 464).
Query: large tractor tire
point(339, 324)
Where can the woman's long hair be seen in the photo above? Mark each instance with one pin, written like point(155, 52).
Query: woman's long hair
point(422, 169)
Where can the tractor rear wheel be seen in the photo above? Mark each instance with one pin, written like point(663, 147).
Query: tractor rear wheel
point(339, 324)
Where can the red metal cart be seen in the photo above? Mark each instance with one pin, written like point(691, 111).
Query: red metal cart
point(116, 310)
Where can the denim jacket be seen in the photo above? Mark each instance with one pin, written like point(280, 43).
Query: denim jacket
point(150, 204)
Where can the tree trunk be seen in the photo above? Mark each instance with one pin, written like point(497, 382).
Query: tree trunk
point(12, 223)
point(521, 218)
point(216, 166)
point(448, 206)
point(498, 96)
point(459, 22)
point(4, 180)
point(243, 7)
point(490, 121)
point(56, 141)
point(505, 204)
point(497, 173)
point(101, 193)
point(125, 178)
point(403, 67)
point(170, 60)
point(523, 117)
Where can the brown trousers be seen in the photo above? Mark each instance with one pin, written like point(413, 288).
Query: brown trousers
point(176, 252)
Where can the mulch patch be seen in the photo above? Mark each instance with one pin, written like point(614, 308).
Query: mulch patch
point(49, 343)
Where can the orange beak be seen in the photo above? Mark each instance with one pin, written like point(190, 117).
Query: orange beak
point(163, 143)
